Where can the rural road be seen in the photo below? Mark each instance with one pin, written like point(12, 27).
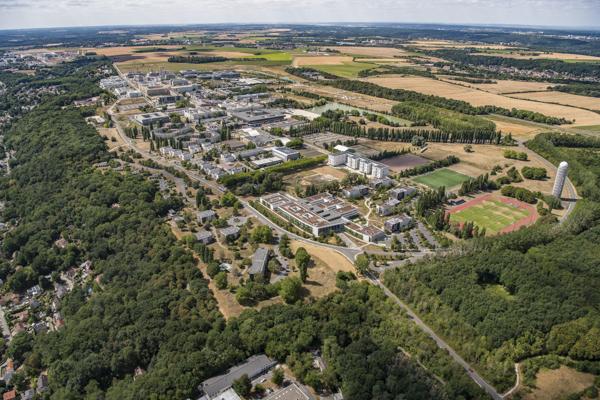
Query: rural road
point(439, 341)
point(569, 187)
point(349, 253)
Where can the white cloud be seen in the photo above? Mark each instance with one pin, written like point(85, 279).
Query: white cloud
point(33, 13)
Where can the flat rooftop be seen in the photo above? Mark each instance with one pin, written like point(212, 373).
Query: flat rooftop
point(292, 392)
point(365, 230)
point(252, 367)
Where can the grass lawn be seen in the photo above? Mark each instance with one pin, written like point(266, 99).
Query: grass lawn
point(442, 177)
point(345, 70)
point(493, 215)
point(591, 128)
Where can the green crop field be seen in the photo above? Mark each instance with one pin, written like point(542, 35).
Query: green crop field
point(442, 177)
point(345, 70)
point(493, 215)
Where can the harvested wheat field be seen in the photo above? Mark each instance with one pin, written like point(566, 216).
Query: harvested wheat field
point(518, 129)
point(350, 98)
point(228, 54)
point(523, 55)
point(505, 86)
point(300, 61)
point(370, 51)
point(124, 50)
point(591, 103)
point(481, 98)
point(558, 383)
point(448, 44)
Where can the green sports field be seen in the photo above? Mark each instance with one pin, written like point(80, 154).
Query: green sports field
point(493, 215)
point(442, 177)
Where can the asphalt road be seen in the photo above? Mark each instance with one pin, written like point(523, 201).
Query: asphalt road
point(439, 341)
point(349, 253)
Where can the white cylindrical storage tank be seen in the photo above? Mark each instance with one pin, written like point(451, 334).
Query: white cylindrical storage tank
point(561, 176)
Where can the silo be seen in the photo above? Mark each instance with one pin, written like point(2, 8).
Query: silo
point(561, 176)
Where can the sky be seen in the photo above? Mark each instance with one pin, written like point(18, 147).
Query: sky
point(63, 13)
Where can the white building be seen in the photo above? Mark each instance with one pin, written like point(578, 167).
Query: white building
point(285, 153)
point(380, 171)
point(337, 159)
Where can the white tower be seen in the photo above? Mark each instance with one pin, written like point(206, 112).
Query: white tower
point(561, 176)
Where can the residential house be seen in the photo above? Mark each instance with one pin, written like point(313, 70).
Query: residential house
point(230, 233)
point(205, 237)
point(205, 216)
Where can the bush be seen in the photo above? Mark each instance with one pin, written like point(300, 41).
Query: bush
point(534, 173)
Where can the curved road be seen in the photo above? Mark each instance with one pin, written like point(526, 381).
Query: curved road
point(351, 253)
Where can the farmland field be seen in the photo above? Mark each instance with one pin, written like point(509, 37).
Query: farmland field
point(495, 214)
point(303, 60)
point(481, 98)
point(345, 70)
point(386, 52)
point(590, 103)
point(442, 177)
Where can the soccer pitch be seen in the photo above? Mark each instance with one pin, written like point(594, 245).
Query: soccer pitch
point(442, 177)
point(493, 215)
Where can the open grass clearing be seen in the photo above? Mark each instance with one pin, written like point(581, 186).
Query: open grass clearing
point(484, 157)
point(441, 177)
point(555, 384)
point(344, 70)
point(591, 128)
point(481, 98)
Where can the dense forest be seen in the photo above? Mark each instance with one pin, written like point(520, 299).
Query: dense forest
point(526, 294)
point(149, 308)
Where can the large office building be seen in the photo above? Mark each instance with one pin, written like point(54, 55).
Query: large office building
point(253, 367)
point(257, 117)
point(151, 118)
point(318, 215)
point(360, 164)
point(285, 153)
